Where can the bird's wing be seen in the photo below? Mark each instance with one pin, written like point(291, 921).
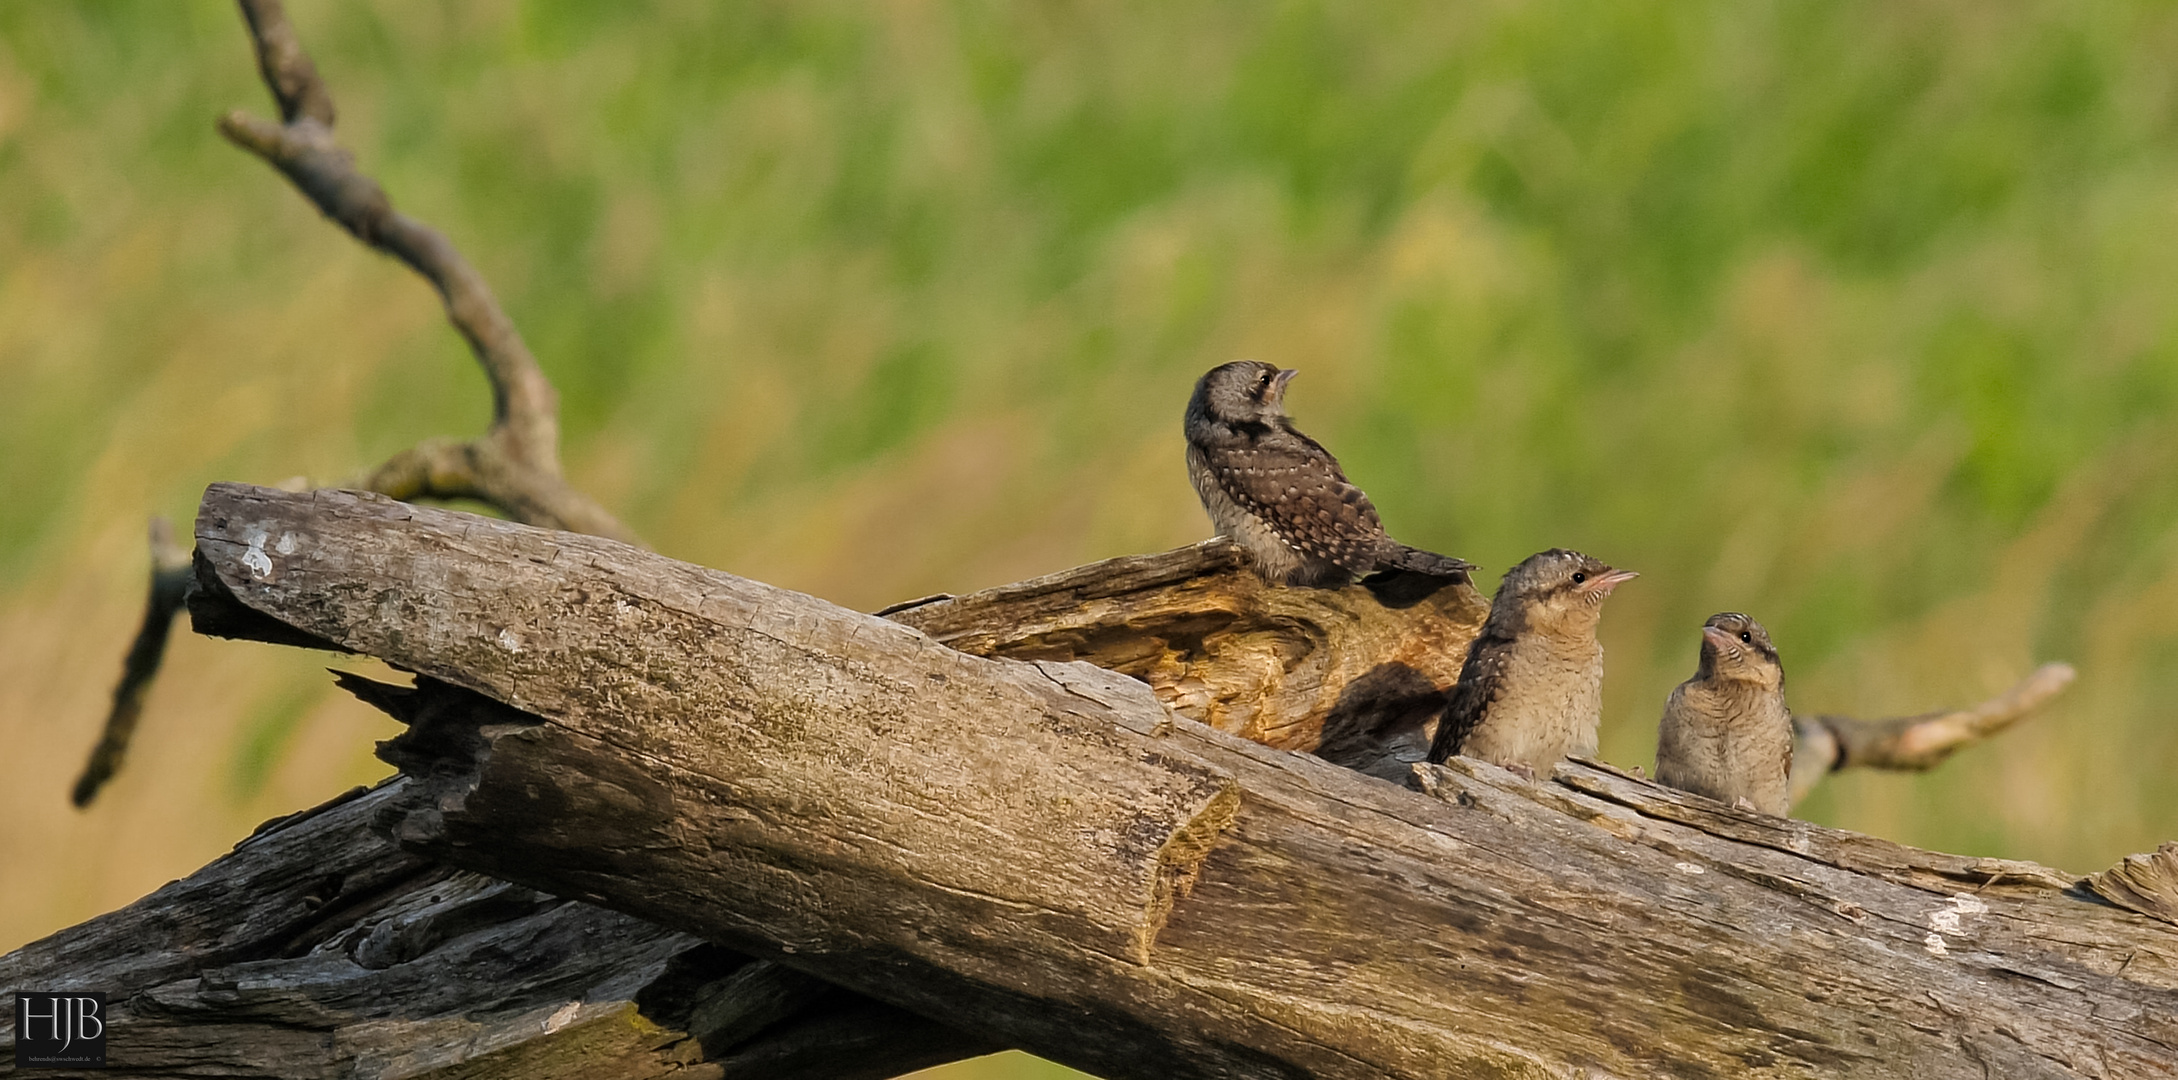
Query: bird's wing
point(1482, 679)
point(1297, 489)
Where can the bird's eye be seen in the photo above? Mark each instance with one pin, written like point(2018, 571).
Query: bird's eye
point(1579, 577)
point(1746, 637)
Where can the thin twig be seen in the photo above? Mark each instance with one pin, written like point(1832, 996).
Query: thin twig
point(171, 576)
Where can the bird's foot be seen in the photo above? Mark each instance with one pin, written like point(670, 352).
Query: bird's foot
point(1520, 769)
point(1744, 803)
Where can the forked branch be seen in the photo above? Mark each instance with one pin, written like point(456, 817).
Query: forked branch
point(525, 408)
point(514, 466)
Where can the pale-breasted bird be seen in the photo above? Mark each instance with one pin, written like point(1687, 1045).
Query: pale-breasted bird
point(1531, 691)
point(1726, 733)
point(1279, 493)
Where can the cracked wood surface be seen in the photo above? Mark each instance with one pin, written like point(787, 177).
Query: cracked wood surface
point(1356, 675)
point(318, 948)
point(773, 772)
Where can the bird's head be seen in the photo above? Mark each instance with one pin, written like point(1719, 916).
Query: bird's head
point(1242, 392)
point(1558, 591)
point(1735, 648)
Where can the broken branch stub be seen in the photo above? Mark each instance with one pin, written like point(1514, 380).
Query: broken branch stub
point(171, 576)
point(847, 797)
point(2146, 883)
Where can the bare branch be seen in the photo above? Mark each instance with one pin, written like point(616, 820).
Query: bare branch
point(286, 67)
point(525, 408)
point(1916, 743)
point(481, 469)
point(514, 466)
point(170, 580)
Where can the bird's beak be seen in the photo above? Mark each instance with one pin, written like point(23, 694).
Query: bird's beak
point(1279, 381)
point(1603, 585)
point(1719, 637)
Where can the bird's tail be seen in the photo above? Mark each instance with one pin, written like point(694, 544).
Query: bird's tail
point(1401, 557)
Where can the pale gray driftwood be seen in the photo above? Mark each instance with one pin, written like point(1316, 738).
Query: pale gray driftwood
point(1043, 854)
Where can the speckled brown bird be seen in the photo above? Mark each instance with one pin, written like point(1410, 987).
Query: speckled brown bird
point(1279, 493)
point(1530, 693)
point(1726, 732)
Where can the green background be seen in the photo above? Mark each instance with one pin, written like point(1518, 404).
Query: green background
point(1857, 317)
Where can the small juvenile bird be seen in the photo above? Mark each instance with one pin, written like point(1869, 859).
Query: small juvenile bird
point(1726, 733)
point(1279, 493)
point(1531, 691)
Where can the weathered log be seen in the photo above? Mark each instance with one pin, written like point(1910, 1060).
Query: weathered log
point(1044, 854)
point(1355, 675)
point(319, 949)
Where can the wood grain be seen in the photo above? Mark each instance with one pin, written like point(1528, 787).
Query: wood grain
point(318, 948)
point(1042, 853)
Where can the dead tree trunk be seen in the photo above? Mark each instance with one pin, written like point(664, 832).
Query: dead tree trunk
point(1043, 854)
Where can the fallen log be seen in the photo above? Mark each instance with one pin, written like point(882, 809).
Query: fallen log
point(317, 948)
point(1043, 854)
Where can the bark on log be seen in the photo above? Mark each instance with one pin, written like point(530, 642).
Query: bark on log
point(1042, 853)
point(319, 949)
point(1355, 675)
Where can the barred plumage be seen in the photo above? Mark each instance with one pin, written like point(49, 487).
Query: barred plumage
point(1530, 690)
point(1279, 493)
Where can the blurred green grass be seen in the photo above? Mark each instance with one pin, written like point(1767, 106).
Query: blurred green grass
point(1852, 316)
